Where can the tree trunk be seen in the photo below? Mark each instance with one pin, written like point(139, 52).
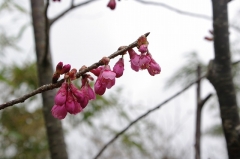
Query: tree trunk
point(220, 75)
point(55, 135)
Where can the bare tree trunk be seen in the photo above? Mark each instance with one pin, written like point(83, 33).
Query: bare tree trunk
point(220, 75)
point(45, 71)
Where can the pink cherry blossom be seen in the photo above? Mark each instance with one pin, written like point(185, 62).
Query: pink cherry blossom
point(119, 68)
point(134, 59)
point(153, 67)
point(72, 106)
point(112, 4)
point(61, 95)
point(99, 88)
point(106, 79)
point(144, 61)
point(59, 112)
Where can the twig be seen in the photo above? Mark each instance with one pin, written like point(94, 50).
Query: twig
point(175, 9)
point(58, 84)
point(46, 31)
point(183, 12)
point(144, 115)
point(72, 6)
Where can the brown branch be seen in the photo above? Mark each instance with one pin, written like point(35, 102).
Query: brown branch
point(72, 6)
point(58, 84)
point(144, 115)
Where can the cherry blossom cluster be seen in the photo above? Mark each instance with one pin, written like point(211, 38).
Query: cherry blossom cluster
point(70, 99)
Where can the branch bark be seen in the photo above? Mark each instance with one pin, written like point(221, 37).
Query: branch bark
point(45, 71)
point(220, 75)
point(47, 87)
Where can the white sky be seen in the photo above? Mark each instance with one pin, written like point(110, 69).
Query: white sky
point(86, 34)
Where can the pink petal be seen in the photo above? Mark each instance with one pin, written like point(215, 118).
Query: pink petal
point(59, 112)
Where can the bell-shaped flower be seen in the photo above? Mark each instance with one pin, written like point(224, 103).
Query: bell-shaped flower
point(99, 88)
point(144, 61)
point(112, 4)
point(72, 106)
point(61, 95)
point(106, 79)
point(134, 59)
point(153, 67)
point(59, 112)
point(119, 68)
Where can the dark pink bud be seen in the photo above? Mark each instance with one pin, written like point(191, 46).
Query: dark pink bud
point(97, 71)
point(112, 4)
point(143, 48)
point(65, 69)
point(119, 68)
point(59, 112)
point(59, 67)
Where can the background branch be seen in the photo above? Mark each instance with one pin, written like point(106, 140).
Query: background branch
point(72, 6)
point(175, 9)
point(47, 87)
point(144, 115)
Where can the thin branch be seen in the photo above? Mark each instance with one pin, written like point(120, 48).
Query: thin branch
point(203, 101)
point(183, 12)
point(72, 6)
point(144, 115)
point(46, 31)
point(175, 9)
point(58, 84)
point(72, 3)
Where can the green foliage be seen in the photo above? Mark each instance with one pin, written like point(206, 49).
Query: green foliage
point(187, 73)
point(24, 131)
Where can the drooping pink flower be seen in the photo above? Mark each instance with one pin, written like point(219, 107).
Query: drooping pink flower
point(153, 67)
point(112, 4)
point(59, 112)
point(144, 61)
point(61, 95)
point(77, 93)
point(99, 88)
point(134, 59)
point(72, 106)
point(119, 68)
point(106, 79)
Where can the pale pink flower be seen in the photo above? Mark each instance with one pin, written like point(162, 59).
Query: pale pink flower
point(119, 68)
point(112, 4)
